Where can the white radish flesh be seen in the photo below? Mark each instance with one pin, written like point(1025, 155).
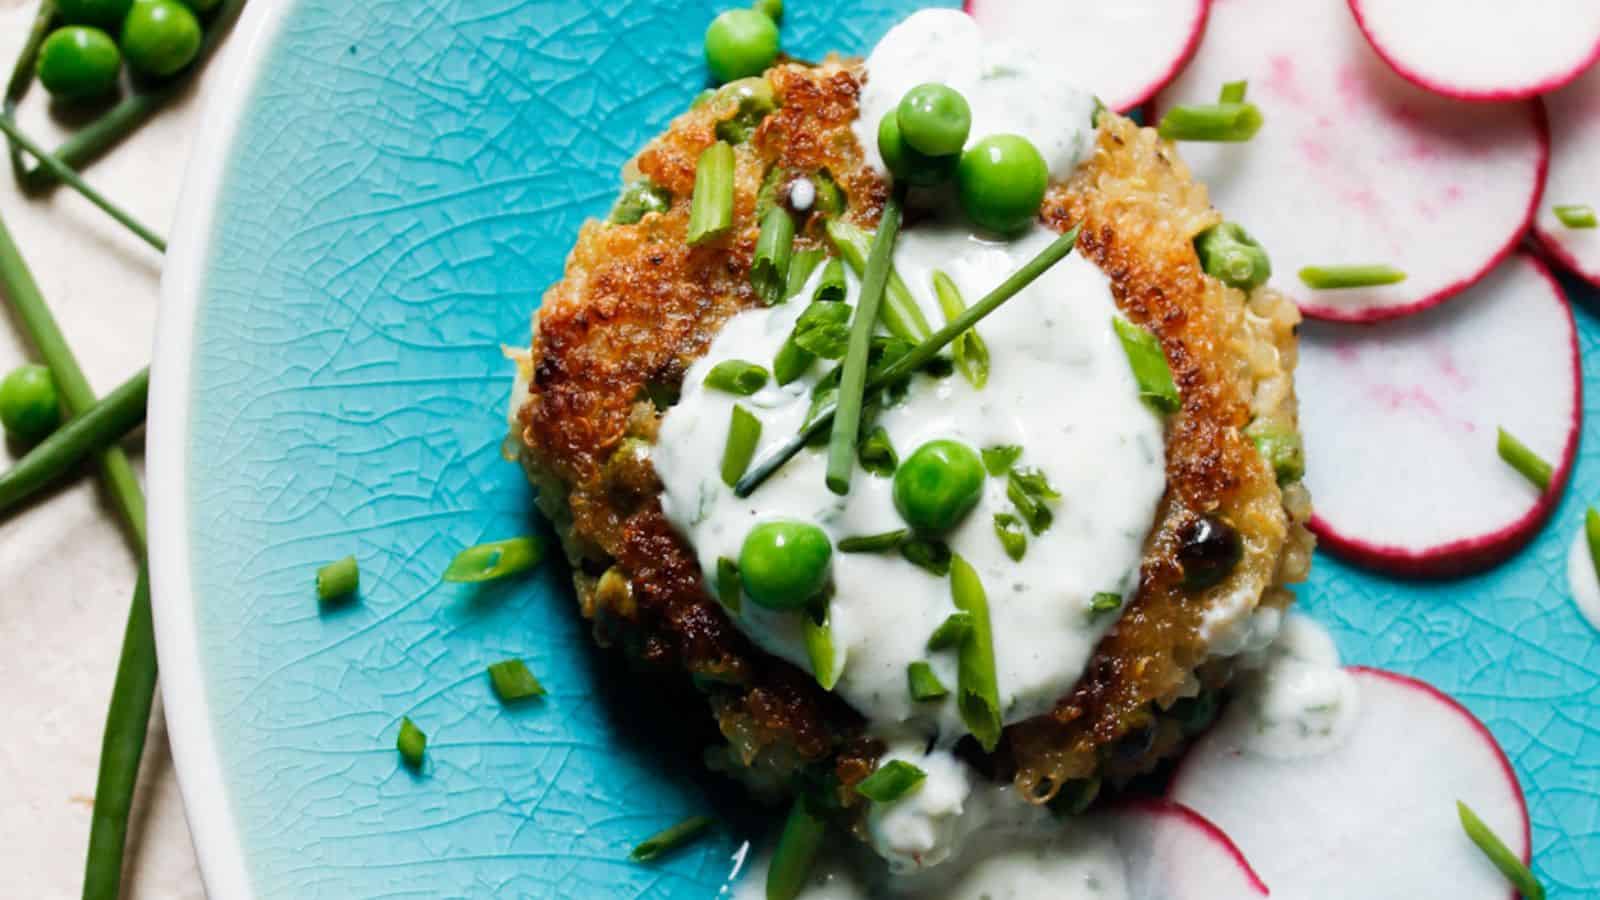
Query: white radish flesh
point(1400, 423)
point(1574, 177)
point(1091, 41)
point(1483, 49)
point(1355, 165)
point(1174, 853)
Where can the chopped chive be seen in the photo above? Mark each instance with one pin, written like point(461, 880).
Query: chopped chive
point(499, 559)
point(853, 378)
point(1035, 483)
point(1281, 447)
point(915, 358)
point(411, 743)
point(877, 453)
point(1576, 216)
point(1498, 853)
point(801, 264)
point(1229, 254)
point(791, 362)
point(1233, 92)
point(338, 579)
point(730, 590)
point(971, 353)
point(1214, 122)
point(769, 268)
point(736, 376)
point(639, 198)
point(1519, 457)
point(1030, 506)
point(901, 314)
point(795, 852)
point(1332, 278)
point(831, 287)
point(1104, 602)
point(744, 433)
point(999, 459)
point(891, 781)
point(923, 683)
point(1591, 528)
point(513, 681)
point(711, 209)
point(819, 650)
point(929, 554)
point(823, 329)
point(672, 838)
point(874, 543)
point(1013, 539)
point(951, 632)
point(1149, 365)
point(977, 685)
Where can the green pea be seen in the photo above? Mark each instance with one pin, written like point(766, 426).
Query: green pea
point(784, 564)
point(159, 37)
point(102, 13)
point(1228, 253)
point(938, 484)
point(29, 406)
point(741, 43)
point(908, 164)
point(78, 62)
point(934, 119)
point(1002, 180)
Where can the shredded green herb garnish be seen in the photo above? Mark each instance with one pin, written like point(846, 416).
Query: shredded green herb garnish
point(951, 632)
point(999, 459)
point(923, 683)
point(824, 329)
point(1519, 457)
point(1233, 92)
point(513, 681)
point(928, 553)
point(669, 839)
point(891, 781)
point(874, 543)
point(736, 376)
point(1030, 505)
point(1013, 539)
point(1149, 365)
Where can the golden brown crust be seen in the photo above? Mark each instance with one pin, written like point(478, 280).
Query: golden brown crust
point(637, 306)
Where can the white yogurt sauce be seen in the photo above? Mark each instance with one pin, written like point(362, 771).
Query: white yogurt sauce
point(1012, 89)
point(1300, 703)
point(1059, 387)
point(1581, 579)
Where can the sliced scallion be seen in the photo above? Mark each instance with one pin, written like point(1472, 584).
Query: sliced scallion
point(769, 268)
point(669, 839)
point(1149, 365)
point(901, 314)
point(744, 433)
point(823, 329)
point(877, 453)
point(736, 376)
point(874, 543)
point(831, 287)
point(1333, 278)
point(412, 743)
point(1030, 505)
point(951, 632)
point(1519, 457)
point(730, 590)
point(801, 264)
point(498, 559)
point(338, 579)
point(971, 353)
point(795, 852)
point(1212, 122)
point(853, 377)
point(1233, 92)
point(711, 208)
point(930, 554)
point(1008, 528)
point(923, 683)
point(1498, 853)
point(1576, 216)
point(891, 781)
point(999, 459)
point(820, 651)
point(977, 685)
point(791, 362)
point(513, 681)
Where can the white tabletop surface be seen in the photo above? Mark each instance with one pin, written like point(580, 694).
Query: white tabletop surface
point(66, 574)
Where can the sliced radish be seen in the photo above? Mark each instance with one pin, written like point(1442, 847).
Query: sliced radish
point(1091, 40)
point(1174, 853)
point(1483, 49)
point(1374, 817)
point(1574, 178)
point(1400, 424)
point(1355, 165)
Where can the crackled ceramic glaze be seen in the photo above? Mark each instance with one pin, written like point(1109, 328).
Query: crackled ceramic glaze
point(375, 210)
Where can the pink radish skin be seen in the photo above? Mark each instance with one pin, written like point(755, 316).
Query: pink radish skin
point(1356, 165)
point(1465, 48)
point(1400, 425)
point(1574, 178)
point(1174, 853)
point(1089, 40)
point(1374, 818)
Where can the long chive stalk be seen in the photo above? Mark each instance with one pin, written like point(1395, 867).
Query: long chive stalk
point(1525, 461)
point(98, 427)
point(78, 397)
point(93, 140)
point(711, 207)
point(977, 685)
point(853, 376)
point(769, 270)
point(901, 314)
point(121, 747)
point(61, 171)
point(22, 75)
point(915, 359)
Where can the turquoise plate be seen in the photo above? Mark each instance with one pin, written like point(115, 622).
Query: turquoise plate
point(381, 193)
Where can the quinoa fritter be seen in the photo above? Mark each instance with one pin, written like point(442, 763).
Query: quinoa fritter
point(637, 306)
